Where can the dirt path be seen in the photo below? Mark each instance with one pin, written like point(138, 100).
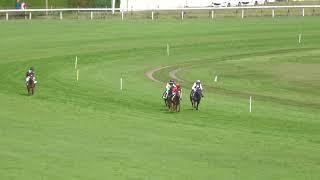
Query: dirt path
point(150, 73)
point(173, 75)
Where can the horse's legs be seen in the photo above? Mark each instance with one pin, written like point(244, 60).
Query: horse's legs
point(172, 105)
point(176, 106)
point(29, 91)
point(198, 102)
point(191, 100)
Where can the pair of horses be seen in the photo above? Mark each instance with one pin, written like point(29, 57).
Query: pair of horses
point(173, 102)
point(31, 86)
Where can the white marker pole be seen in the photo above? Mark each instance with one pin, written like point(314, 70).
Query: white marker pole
point(77, 75)
point(215, 78)
point(122, 15)
point(61, 15)
point(273, 13)
point(242, 14)
point(113, 6)
point(152, 15)
point(300, 37)
point(121, 84)
point(7, 16)
point(30, 16)
point(250, 104)
point(182, 14)
point(212, 14)
point(91, 15)
point(168, 50)
point(76, 63)
point(303, 12)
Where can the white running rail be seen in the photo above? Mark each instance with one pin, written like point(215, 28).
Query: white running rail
point(183, 10)
point(166, 9)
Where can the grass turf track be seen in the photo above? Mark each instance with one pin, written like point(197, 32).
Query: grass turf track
point(91, 130)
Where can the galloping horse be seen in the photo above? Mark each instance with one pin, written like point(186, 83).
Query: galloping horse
point(168, 101)
point(196, 98)
point(175, 106)
point(30, 86)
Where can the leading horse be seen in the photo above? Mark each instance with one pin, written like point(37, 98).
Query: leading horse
point(31, 86)
point(175, 103)
point(195, 98)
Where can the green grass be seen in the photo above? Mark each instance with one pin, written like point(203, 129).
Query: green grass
point(91, 130)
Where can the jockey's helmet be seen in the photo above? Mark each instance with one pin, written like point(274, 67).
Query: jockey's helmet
point(198, 82)
point(171, 82)
point(31, 68)
point(178, 86)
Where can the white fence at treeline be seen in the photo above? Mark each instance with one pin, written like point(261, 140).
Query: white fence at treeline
point(273, 9)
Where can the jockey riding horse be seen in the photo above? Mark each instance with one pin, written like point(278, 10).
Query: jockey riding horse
point(31, 85)
point(196, 94)
point(30, 80)
point(176, 98)
point(169, 86)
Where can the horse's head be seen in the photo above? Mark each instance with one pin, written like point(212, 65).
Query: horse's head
point(170, 90)
point(198, 89)
point(198, 93)
point(31, 81)
point(177, 95)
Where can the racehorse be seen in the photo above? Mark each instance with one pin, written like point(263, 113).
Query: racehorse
point(168, 100)
point(196, 98)
point(175, 103)
point(30, 86)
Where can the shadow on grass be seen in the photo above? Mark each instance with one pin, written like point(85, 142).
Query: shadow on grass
point(25, 94)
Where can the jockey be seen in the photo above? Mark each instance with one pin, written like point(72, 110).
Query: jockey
point(170, 84)
point(196, 85)
point(176, 90)
point(30, 73)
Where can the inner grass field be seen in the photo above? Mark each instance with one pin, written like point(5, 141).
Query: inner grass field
point(91, 130)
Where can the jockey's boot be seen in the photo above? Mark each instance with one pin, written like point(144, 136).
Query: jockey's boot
point(165, 95)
